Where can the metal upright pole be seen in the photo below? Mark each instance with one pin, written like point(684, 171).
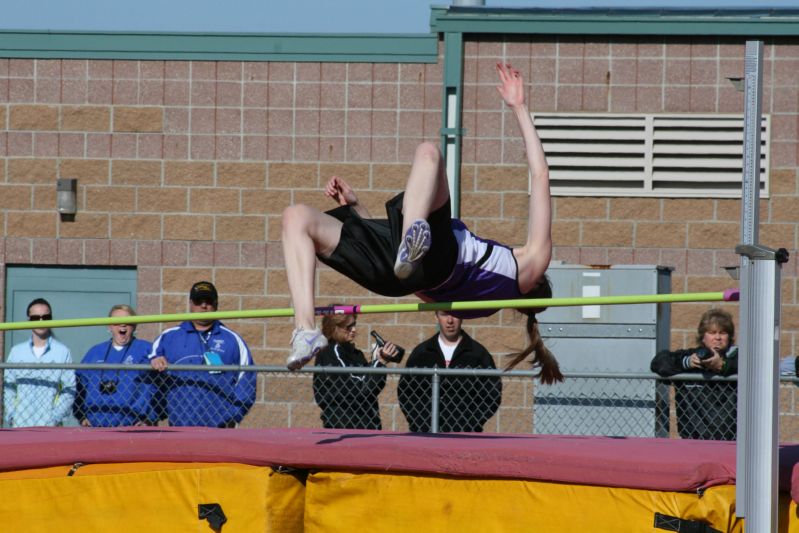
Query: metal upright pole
point(758, 422)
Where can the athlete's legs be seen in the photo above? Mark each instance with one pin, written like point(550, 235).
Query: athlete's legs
point(427, 188)
point(306, 232)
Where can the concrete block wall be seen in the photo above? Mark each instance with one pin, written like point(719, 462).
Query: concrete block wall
point(184, 168)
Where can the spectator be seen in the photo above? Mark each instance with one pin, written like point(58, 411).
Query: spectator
point(465, 403)
point(209, 398)
point(705, 409)
point(110, 398)
point(349, 401)
point(38, 397)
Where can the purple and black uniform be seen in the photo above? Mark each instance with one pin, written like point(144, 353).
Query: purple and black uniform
point(459, 266)
point(485, 270)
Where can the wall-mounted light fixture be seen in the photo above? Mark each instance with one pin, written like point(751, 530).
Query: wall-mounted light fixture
point(67, 196)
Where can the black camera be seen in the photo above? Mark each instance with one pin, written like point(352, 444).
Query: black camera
point(381, 342)
point(108, 387)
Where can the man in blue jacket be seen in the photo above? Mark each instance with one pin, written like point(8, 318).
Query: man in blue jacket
point(108, 398)
point(210, 398)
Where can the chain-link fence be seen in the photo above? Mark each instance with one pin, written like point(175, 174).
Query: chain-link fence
point(397, 399)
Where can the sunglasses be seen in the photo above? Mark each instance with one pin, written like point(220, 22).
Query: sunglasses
point(349, 327)
point(34, 318)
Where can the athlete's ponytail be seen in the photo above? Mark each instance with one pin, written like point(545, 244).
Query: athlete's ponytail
point(542, 358)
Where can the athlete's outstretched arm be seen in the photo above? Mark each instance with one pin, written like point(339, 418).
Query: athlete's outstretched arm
point(533, 258)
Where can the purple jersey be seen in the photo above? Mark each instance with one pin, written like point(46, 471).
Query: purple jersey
point(485, 270)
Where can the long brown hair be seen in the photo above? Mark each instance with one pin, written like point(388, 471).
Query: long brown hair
point(542, 358)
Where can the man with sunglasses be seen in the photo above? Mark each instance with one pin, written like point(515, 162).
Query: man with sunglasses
point(38, 397)
point(211, 397)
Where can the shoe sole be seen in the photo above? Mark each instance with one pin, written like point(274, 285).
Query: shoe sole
point(415, 252)
point(302, 361)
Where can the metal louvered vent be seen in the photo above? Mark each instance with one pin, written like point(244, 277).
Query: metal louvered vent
point(648, 155)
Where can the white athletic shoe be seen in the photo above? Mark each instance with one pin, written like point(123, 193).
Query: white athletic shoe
point(305, 344)
point(414, 246)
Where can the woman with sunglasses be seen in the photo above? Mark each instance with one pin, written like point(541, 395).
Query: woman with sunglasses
point(349, 401)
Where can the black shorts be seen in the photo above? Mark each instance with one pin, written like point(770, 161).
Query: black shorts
point(368, 248)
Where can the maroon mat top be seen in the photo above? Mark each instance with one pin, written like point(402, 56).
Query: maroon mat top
point(644, 463)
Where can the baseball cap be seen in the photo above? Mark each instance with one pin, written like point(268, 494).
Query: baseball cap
point(203, 290)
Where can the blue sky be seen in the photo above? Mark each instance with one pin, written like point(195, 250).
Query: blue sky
point(276, 16)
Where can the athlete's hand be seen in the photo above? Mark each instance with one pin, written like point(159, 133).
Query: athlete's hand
point(340, 191)
point(512, 88)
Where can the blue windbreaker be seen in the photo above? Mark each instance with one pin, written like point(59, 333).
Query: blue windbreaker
point(127, 395)
point(207, 397)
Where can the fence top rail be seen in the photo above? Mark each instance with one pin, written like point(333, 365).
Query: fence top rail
point(274, 369)
point(729, 295)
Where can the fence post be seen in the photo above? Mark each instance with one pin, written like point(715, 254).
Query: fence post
point(434, 398)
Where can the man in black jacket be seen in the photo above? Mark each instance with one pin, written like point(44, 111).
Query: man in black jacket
point(465, 402)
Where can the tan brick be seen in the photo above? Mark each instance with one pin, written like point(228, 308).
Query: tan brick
point(85, 226)
point(3, 117)
point(514, 205)
point(354, 174)
point(15, 196)
point(30, 224)
point(33, 117)
point(252, 332)
point(293, 176)
point(111, 199)
point(566, 233)
point(502, 179)
point(242, 175)
point(713, 235)
point(317, 199)
point(85, 170)
point(180, 280)
point(784, 208)
point(710, 283)
point(85, 118)
point(161, 199)
point(481, 205)
point(782, 181)
point(267, 416)
point(245, 228)
point(581, 208)
point(288, 388)
point(214, 200)
point(259, 201)
point(135, 172)
point(510, 232)
point(607, 233)
point(273, 228)
point(32, 171)
point(683, 209)
point(44, 198)
point(139, 119)
point(240, 280)
point(660, 235)
point(305, 415)
point(143, 227)
point(188, 173)
point(392, 177)
point(276, 282)
point(778, 235)
point(334, 285)
point(634, 209)
point(515, 420)
point(188, 227)
point(730, 210)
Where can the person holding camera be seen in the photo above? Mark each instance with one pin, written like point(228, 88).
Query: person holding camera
point(109, 398)
point(212, 397)
point(706, 410)
point(465, 402)
point(349, 401)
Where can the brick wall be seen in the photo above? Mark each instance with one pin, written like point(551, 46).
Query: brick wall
point(184, 168)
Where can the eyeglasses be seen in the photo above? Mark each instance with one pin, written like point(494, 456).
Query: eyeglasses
point(34, 318)
point(349, 327)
